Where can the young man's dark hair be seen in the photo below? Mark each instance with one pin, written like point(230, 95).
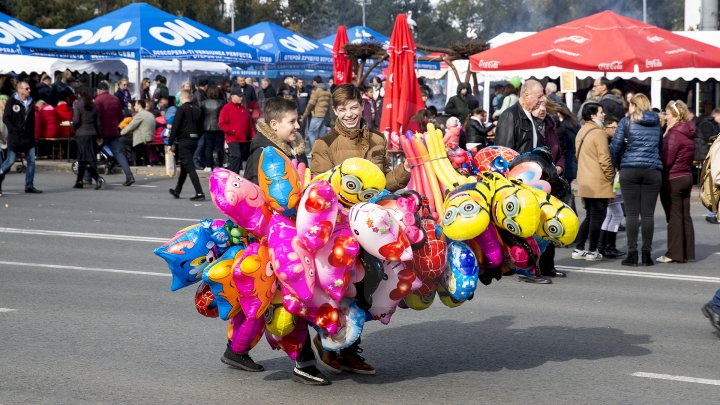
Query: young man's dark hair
point(589, 110)
point(276, 107)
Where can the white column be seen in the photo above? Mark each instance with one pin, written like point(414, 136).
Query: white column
point(486, 93)
point(655, 87)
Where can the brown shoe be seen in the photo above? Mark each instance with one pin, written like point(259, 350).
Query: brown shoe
point(329, 360)
point(355, 363)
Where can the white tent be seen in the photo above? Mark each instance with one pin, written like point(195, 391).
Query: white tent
point(175, 71)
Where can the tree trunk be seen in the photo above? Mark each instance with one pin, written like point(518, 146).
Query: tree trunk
point(370, 69)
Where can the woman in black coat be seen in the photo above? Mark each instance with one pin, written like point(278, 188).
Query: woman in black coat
point(85, 122)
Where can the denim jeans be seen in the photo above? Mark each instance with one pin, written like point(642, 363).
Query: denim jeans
point(715, 302)
point(119, 154)
point(317, 130)
point(199, 155)
point(30, 169)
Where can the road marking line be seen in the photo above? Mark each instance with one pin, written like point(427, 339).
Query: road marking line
point(83, 235)
point(62, 267)
point(136, 185)
point(174, 219)
point(677, 378)
point(7, 310)
point(662, 276)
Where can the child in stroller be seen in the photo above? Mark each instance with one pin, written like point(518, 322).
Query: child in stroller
point(105, 161)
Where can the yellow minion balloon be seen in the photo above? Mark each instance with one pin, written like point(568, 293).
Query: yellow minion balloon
point(355, 180)
point(513, 207)
point(467, 211)
point(558, 222)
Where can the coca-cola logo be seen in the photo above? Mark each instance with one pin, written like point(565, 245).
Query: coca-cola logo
point(654, 39)
point(653, 63)
point(614, 65)
point(488, 64)
point(578, 39)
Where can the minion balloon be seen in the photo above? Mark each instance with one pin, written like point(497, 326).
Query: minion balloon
point(467, 211)
point(558, 222)
point(513, 207)
point(355, 180)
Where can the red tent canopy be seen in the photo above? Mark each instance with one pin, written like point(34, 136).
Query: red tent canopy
point(342, 65)
point(402, 91)
point(603, 42)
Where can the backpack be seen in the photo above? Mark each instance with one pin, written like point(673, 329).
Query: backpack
point(709, 191)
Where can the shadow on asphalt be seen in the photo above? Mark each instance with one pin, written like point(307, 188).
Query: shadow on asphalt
point(435, 348)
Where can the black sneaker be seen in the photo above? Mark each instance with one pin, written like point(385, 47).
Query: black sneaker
point(241, 361)
point(174, 193)
point(535, 280)
point(129, 181)
point(198, 197)
point(309, 375)
point(33, 190)
point(99, 183)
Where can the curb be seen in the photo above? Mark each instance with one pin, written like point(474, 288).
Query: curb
point(55, 166)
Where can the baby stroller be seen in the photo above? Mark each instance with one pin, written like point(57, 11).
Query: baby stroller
point(106, 161)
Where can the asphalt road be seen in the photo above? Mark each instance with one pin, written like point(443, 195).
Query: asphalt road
point(86, 316)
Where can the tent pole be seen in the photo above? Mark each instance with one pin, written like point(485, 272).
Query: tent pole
point(486, 93)
point(655, 88)
point(697, 98)
point(138, 90)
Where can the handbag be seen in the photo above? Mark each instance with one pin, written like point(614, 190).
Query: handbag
point(169, 161)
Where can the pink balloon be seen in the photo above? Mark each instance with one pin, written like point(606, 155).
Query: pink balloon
point(239, 199)
point(293, 342)
point(321, 310)
point(399, 283)
point(294, 265)
point(255, 280)
point(489, 244)
point(335, 261)
point(379, 232)
point(244, 332)
point(317, 214)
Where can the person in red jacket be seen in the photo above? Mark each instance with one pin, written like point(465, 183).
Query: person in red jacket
point(236, 123)
point(47, 117)
point(64, 114)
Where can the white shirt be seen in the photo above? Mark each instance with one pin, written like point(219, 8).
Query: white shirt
point(532, 121)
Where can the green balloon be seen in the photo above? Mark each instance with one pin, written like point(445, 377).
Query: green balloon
point(516, 82)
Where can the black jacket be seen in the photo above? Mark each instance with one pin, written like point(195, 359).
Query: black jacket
point(515, 130)
point(477, 133)
point(20, 123)
point(260, 141)
point(188, 121)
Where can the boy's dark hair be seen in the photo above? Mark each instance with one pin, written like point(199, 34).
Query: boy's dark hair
point(276, 107)
point(318, 79)
point(142, 103)
point(344, 93)
point(589, 110)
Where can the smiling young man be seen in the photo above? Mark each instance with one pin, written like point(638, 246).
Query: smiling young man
point(352, 137)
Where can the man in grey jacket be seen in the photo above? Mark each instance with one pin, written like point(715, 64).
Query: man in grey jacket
point(142, 128)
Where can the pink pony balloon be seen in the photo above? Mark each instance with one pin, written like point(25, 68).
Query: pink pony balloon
point(379, 232)
point(317, 214)
point(293, 342)
point(294, 265)
point(321, 310)
point(487, 244)
point(335, 262)
point(244, 332)
point(255, 280)
point(399, 283)
point(241, 200)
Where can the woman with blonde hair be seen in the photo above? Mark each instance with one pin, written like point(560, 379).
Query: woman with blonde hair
point(635, 150)
point(678, 152)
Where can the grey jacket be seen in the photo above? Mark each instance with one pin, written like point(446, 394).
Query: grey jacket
point(142, 127)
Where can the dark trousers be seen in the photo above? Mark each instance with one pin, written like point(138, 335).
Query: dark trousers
point(91, 168)
point(214, 142)
point(547, 260)
point(238, 152)
point(186, 148)
point(140, 152)
point(675, 199)
point(640, 189)
point(595, 209)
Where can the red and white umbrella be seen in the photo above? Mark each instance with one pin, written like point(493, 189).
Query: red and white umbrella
point(402, 92)
point(342, 65)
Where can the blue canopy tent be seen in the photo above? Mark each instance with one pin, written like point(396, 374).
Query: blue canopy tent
point(13, 32)
point(359, 34)
point(290, 49)
point(140, 31)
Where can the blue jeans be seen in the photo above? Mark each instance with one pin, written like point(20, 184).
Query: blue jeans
point(715, 302)
point(317, 130)
point(119, 154)
point(199, 155)
point(29, 171)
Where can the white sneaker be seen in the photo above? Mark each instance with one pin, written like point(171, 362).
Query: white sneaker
point(579, 254)
point(207, 170)
point(593, 256)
